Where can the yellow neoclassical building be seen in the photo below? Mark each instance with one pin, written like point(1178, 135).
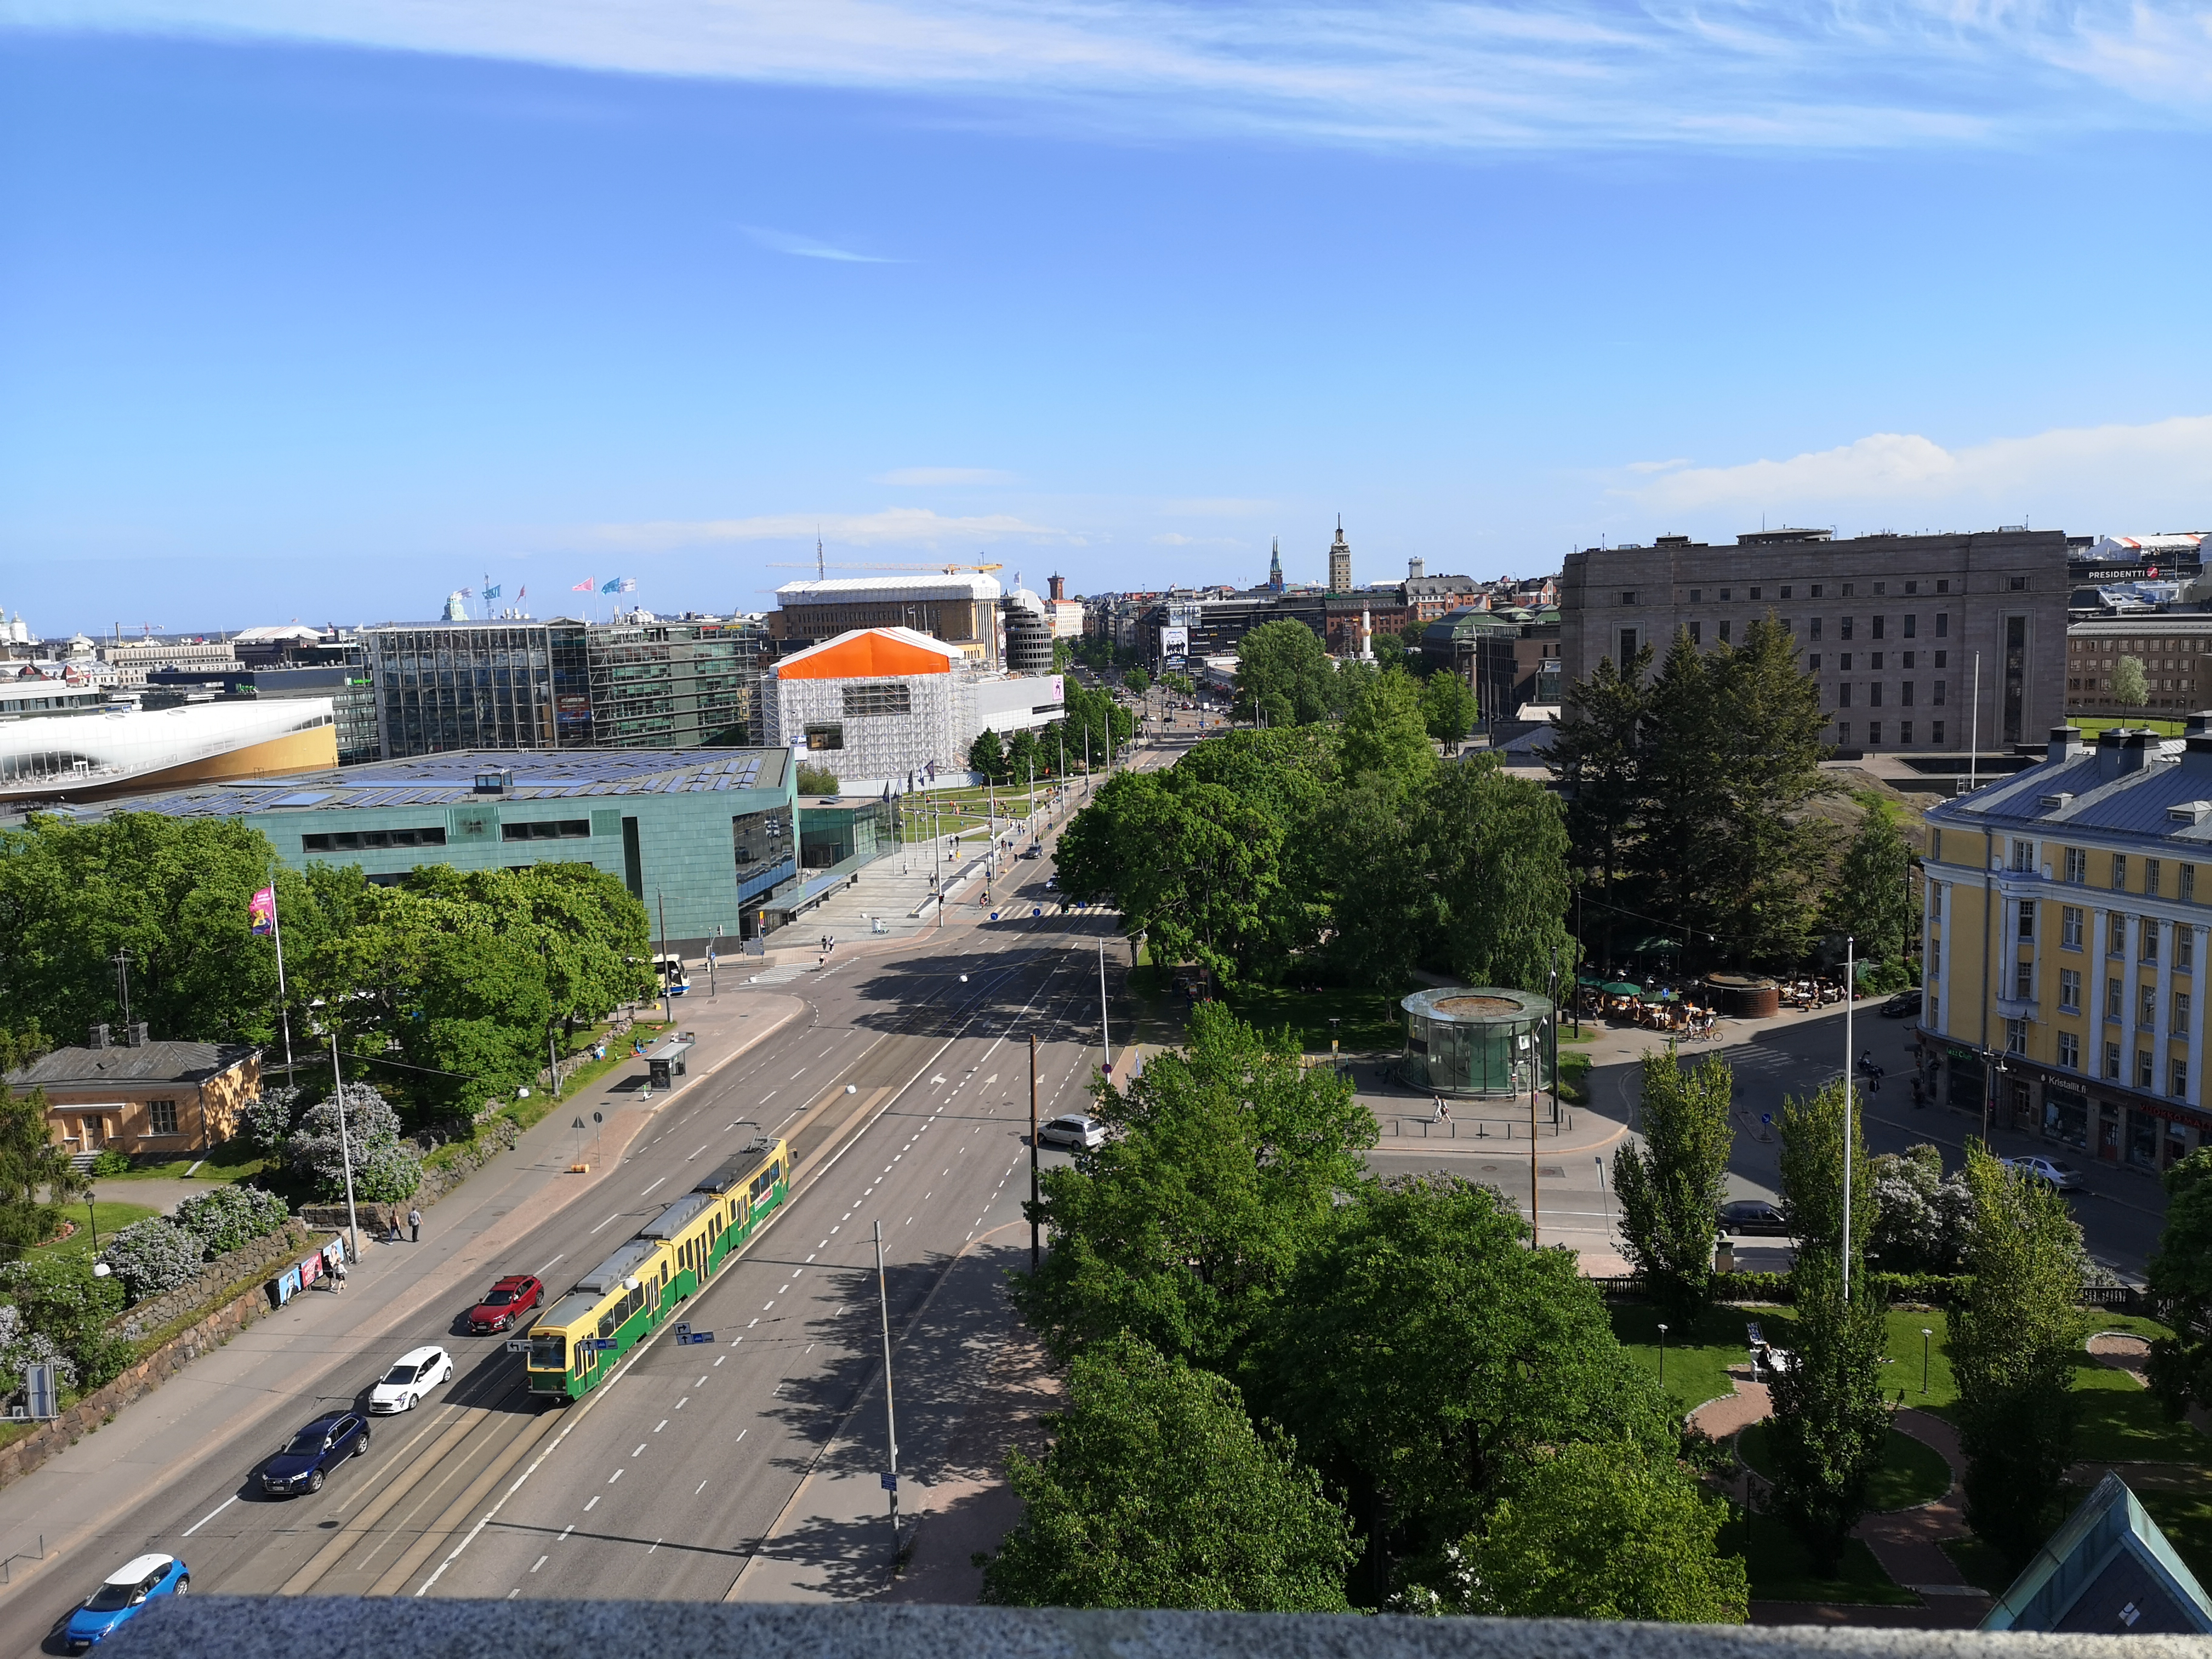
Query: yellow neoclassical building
point(2065, 931)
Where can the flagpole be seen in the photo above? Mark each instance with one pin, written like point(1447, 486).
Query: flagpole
point(284, 1010)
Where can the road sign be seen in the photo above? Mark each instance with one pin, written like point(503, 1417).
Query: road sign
point(682, 1331)
point(517, 1344)
point(1767, 1118)
point(692, 1339)
point(597, 1345)
point(891, 1480)
point(578, 1124)
point(596, 1117)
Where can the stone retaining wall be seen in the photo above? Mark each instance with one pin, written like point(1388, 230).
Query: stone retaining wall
point(102, 1405)
point(256, 1259)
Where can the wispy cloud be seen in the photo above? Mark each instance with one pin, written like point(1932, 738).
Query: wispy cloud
point(805, 247)
point(913, 526)
point(923, 478)
point(1176, 538)
point(1454, 73)
point(2153, 468)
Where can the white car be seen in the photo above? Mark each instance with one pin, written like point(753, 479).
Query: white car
point(413, 1375)
point(1075, 1130)
point(2063, 1176)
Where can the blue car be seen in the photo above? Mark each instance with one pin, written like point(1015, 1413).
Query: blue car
point(125, 1594)
point(313, 1453)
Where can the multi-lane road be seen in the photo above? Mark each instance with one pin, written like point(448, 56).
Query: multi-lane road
point(905, 1096)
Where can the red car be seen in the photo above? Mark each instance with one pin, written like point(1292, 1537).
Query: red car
point(505, 1303)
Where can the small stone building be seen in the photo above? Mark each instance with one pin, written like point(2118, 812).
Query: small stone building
point(139, 1096)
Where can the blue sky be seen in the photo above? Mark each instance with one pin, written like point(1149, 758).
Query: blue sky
point(322, 311)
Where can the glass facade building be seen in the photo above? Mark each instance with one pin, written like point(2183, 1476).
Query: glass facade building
point(445, 687)
point(1477, 1042)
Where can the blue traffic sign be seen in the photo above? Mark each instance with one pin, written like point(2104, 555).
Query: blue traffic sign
point(598, 1344)
point(890, 1481)
point(688, 1337)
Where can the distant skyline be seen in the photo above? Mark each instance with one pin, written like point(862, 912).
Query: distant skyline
point(326, 311)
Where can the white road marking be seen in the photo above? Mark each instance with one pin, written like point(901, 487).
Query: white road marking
point(703, 1145)
point(657, 1428)
point(639, 1452)
point(686, 1401)
point(542, 1560)
point(798, 1074)
point(617, 1216)
point(742, 1433)
point(615, 1476)
point(720, 1361)
point(702, 1487)
point(589, 1507)
point(210, 1515)
point(654, 1184)
point(548, 1268)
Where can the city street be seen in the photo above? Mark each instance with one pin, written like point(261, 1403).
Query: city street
point(905, 1095)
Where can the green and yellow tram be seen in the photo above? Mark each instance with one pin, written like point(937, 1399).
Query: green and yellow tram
point(625, 1298)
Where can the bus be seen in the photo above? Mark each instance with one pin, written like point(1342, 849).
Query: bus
point(578, 1341)
point(674, 979)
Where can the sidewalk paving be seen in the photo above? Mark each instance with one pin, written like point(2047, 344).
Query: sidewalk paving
point(261, 1374)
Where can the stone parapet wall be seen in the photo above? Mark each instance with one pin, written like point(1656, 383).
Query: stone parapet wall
point(254, 1261)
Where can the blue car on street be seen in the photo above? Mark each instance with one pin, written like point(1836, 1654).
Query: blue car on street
point(313, 1453)
point(127, 1593)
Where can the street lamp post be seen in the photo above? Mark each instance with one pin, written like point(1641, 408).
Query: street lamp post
point(1662, 1356)
point(1926, 1332)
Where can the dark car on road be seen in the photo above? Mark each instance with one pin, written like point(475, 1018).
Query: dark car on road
point(505, 1303)
point(1904, 1005)
point(1753, 1215)
point(313, 1453)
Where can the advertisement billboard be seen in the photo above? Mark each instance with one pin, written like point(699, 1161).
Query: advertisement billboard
point(1174, 641)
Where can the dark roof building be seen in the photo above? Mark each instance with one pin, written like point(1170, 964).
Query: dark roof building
point(2108, 1571)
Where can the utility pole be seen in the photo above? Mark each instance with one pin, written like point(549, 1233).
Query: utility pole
point(122, 961)
point(667, 1012)
point(890, 1420)
point(1532, 1234)
point(345, 1150)
point(1035, 1251)
point(1105, 1040)
point(1850, 980)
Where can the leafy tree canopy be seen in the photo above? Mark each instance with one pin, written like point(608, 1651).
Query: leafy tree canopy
point(2180, 1280)
point(1284, 674)
point(1671, 1188)
point(1181, 1228)
point(1158, 1492)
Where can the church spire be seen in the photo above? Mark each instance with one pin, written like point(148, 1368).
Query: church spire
point(1275, 567)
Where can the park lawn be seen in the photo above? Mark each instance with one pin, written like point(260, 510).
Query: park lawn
point(1978, 1564)
point(233, 1160)
point(2185, 1516)
point(1912, 1472)
point(1780, 1570)
point(1697, 1360)
point(2091, 727)
point(1367, 1018)
point(108, 1219)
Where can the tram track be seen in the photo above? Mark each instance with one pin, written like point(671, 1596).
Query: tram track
point(438, 1488)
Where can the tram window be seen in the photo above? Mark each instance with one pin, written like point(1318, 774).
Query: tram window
point(545, 1354)
point(608, 1320)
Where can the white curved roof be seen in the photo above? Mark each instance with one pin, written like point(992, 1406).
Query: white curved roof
point(41, 752)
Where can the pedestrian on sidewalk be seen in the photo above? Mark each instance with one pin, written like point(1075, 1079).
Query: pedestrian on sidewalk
point(415, 1224)
point(338, 1275)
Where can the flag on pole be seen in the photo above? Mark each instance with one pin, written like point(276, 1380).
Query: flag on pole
point(492, 592)
point(583, 586)
point(629, 584)
point(612, 585)
point(520, 595)
point(468, 592)
point(261, 910)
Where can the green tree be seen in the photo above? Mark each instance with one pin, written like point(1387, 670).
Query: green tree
point(1671, 1188)
point(1497, 852)
point(1829, 1428)
point(1183, 1227)
point(1024, 758)
point(1094, 719)
point(987, 755)
point(1384, 903)
point(58, 1297)
point(1158, 1492)
point(1063, 655)
point(1448, 705)
point(1922, 1218)
point(2012, 1345)
point(1813, 1176)
point(1870, 901)
point(815, 780)
point(1596, 1531)
point(37, 1181)
point(1283, 672)
point(1426, 1357)
point(1385, 732)
point(2180, 1284)
point(2130, 686)
point(1597, 757)
point(1138, 680)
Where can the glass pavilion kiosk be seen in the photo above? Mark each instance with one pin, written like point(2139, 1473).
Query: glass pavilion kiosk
point(1476, 1043)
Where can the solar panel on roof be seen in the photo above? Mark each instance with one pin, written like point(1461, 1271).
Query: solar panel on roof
point(301, 799)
